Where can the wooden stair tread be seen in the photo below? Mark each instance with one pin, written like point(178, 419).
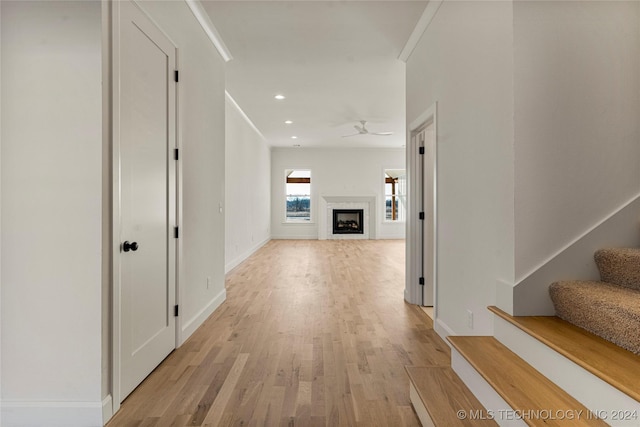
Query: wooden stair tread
point(519, 384)
point(600, 357)
point(444, 394)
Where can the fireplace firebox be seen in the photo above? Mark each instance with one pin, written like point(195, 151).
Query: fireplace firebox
point(348, 221)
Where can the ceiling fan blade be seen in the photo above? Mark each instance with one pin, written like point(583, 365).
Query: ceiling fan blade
point(359, 129)
point(382, 133)
point(353, 134)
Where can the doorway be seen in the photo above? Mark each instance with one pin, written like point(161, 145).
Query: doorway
point(422, 224)
point(144, 198)
point(426, 140)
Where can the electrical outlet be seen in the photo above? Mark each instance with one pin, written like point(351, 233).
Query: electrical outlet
point(470, 319)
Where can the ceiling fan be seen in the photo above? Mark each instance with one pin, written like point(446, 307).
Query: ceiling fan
point(362, 130)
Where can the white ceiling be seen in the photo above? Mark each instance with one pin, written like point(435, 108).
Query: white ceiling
point(335, 61)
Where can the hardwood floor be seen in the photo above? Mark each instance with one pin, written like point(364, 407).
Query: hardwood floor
point(313, 333)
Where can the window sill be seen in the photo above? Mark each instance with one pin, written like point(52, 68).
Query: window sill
point(298, 222)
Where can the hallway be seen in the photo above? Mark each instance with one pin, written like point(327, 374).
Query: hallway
point(312, 333)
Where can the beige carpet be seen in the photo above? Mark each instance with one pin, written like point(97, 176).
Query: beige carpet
point(609, 308)
point(619, 266)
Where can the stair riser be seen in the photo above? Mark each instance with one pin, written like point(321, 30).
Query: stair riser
point(422, 412)
point(486, 394)
point(619, 266)
point(590, 390)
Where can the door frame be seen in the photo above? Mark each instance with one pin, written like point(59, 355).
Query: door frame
point(175, 197)
point(413, 291)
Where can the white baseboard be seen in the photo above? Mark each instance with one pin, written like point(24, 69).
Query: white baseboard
point(315, 237)
point(390, 237)
point(443, 330)
point(591, 391)
point(107, 409)
point(194, 323)
point(504, 296)
point(246, 254)
point(575, 260)
point(51, 414)
point(400, 235)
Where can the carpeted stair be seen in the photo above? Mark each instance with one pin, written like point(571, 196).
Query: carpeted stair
point(609, 308)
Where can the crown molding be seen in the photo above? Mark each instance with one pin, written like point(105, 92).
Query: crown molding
point(203, 18)
point(244, 116)
point(422, 25)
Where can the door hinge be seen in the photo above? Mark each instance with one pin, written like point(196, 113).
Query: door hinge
point(421, 150)
point(176, 232)
point(421, 215)
point(176, 154)
point(176, 76)
point(421, 281)
point(175, 311)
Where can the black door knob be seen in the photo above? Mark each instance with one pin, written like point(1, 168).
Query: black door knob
point(129, 246)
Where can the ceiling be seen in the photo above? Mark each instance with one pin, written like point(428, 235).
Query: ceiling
point(335, 61)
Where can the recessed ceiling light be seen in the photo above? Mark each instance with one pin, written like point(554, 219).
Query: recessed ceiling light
point(288, 122)
point(279, 97)
point(294, 137)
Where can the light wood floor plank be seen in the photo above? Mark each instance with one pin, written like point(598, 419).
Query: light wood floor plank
point(313, 333)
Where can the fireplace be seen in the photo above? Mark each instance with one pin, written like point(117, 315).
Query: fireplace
point(348, 221)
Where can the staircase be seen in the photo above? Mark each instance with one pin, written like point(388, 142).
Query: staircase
point(580, 368)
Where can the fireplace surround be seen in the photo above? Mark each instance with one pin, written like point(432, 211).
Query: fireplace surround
point(348, 221)
point(328, 203)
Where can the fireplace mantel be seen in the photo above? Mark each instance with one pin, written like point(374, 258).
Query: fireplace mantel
point(349, 199)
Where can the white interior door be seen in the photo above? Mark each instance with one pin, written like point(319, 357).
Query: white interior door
point(145, 97)
point(427, 139)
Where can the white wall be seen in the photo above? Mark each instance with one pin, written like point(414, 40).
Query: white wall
point(51, 213)
point(334, 172)
point(530, 297)
point(577, 110)
point(0, 216)
point(538, 131)
point(202, 131)
point(247, 187)
point(464, 63)
point(52, 201)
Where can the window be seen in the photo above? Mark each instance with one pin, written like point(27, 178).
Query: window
point(298, 195)
point(395, 191)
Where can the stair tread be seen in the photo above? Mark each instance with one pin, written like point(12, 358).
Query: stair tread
point(519, 384)
point(444, 394)
point(603, 359)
